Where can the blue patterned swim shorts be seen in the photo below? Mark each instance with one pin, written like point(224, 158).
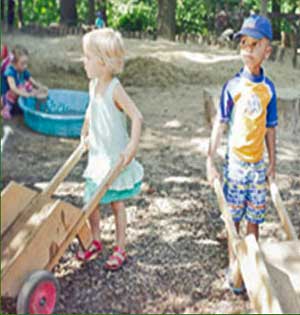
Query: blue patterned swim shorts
point(245, 189)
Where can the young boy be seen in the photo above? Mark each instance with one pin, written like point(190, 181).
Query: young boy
point(248, 106)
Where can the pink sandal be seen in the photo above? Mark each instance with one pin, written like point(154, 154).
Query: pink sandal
point(116, 260)
point(5, 113)
point(92, 252)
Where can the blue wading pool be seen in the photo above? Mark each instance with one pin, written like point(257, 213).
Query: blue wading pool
point(62, 114)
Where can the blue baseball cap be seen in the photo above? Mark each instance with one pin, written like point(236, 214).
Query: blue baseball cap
point(256, 26)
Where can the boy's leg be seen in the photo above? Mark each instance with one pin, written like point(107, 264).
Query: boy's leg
point(119, 211)
point(253, 228)
point(235, 188)
point(256, 199)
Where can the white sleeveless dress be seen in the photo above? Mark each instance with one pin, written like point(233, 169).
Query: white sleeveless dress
point(108, 138)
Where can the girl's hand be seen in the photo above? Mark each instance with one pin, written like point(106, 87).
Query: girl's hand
point(129, 153)
point(84, 139)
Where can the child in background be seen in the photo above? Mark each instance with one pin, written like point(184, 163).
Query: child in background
point(17, 81)
point(99, 22)
point(248, 106)
point(105, 133)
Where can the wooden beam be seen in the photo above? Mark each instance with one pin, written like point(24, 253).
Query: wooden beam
point(257, 279)
point(283, 215)
point(284, 259)
point(85, 236)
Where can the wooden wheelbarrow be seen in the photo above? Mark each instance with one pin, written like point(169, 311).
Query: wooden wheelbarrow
point(36, 230)
point(270, 271)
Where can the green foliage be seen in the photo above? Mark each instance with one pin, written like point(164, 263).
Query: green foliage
point(133, 15)
point(42, 12)
point(192, 16)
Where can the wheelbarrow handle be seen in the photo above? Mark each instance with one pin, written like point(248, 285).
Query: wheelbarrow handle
point(283, 214)
point(64, 170)
point(230, 227)
point(104, 186)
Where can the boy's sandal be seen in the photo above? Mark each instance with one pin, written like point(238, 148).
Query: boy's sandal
point(116, 260)
point(233, 289)
point(91, 253)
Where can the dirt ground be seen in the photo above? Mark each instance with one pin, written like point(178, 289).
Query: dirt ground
point(176, 246)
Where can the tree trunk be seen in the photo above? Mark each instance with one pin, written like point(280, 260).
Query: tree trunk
point(91, 14)
point(276, 22)
point(2, 10)
point(11, 14)
point(68, 13)
point(264, 7)
point(166, 19)
point(20, 13)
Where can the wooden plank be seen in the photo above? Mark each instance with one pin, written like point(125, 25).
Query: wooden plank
point(229, 224)
point(284, 258)
point(85, 236)
point(283, 215)
point(262, 294)
point(42, 198)
point(13, 199)
point(50, 228)
point(233, 237)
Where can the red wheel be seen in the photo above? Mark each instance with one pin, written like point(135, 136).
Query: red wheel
point(38, 294)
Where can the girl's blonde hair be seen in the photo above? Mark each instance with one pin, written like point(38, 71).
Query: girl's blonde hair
point(108, 45)
point(19, 51)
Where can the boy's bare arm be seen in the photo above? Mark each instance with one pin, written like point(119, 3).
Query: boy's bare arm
point(271, 147)
point(216, 135)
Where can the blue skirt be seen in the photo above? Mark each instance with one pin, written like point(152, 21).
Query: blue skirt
point(110, 195)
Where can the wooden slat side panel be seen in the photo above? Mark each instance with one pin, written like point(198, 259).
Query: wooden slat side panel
point(14, 199)
point(49, 234)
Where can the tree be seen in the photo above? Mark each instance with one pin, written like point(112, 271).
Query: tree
point(91, 13)
point(68, 13)
point(264, 7)
point(276, 22)
point(20, 13)
point(166, 21)
point(2, 10)
point(10, 13)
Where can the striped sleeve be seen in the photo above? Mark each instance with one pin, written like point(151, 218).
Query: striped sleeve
point(272, 117)
point(226, 105)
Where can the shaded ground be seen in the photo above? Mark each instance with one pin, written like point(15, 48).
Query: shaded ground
point(177, 253)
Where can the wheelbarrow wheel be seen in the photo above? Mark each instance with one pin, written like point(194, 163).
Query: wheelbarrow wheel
point(38, 294)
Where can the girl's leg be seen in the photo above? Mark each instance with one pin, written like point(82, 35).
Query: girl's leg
point(118, 257)
point(94, 220)
point(96, 246)
point(119, 211)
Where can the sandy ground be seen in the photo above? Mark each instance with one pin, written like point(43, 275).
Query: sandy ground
point(176, 246)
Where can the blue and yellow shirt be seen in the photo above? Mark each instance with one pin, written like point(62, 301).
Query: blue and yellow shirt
point(248, 103)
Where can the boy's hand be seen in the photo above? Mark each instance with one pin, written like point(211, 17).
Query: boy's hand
point(271, 172)
point(211, 172)
point(129, 153)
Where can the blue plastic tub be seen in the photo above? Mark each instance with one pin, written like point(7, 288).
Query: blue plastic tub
point(61, 115)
